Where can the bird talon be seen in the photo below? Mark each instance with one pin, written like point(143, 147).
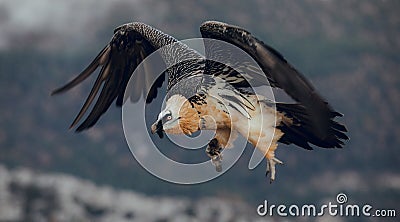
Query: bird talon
point(277, 160)
point(213, 151)
point(217, 162)
point(271, 167)
point(267, 170)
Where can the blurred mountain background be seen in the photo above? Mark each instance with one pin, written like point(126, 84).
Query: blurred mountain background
point(348, 49)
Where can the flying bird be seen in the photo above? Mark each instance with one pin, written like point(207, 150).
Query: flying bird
point(199, 88)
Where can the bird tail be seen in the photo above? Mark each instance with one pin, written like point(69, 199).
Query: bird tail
point(300, 133)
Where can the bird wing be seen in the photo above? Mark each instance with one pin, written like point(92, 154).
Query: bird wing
point(282, 75)
point(129, 46)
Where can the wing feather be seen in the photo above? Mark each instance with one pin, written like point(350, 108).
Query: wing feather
point(319, 114)
point(100, 59)
point(130, 45)
point(93, 92)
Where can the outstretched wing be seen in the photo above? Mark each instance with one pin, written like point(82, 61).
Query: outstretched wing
point(318, 113)
point(129, 46)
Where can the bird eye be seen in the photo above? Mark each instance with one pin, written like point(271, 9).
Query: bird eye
point(167, 117)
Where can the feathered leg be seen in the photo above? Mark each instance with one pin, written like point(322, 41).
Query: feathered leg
point(260, 131)
point(216, 145)
point(272, 161)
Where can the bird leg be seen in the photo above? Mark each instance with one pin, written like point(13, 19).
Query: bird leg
point(216, 146)
point(272, 161)
point(214, 150)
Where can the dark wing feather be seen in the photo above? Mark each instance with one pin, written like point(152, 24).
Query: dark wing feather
point(127, 49)
point(282, 75)
point(100, 59)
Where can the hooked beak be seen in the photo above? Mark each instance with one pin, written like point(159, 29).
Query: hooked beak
point(157, 127)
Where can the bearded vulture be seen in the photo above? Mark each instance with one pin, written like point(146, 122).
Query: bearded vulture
point(307, 120)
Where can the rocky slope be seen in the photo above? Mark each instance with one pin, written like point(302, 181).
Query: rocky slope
point(31, 196)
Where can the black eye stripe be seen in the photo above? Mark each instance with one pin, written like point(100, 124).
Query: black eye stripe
point(167, 117)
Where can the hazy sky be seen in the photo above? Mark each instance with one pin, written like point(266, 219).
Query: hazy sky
point(46, 24)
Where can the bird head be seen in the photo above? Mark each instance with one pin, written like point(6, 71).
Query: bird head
point(167, 120)
point(178, 117)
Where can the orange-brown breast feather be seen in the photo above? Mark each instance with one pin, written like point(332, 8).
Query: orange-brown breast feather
point(189, 118)
point(221, 118)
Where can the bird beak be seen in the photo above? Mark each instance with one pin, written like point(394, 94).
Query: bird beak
point(157, 127)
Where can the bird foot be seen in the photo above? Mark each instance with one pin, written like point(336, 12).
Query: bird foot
point(214, 150)
point(271, 167)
